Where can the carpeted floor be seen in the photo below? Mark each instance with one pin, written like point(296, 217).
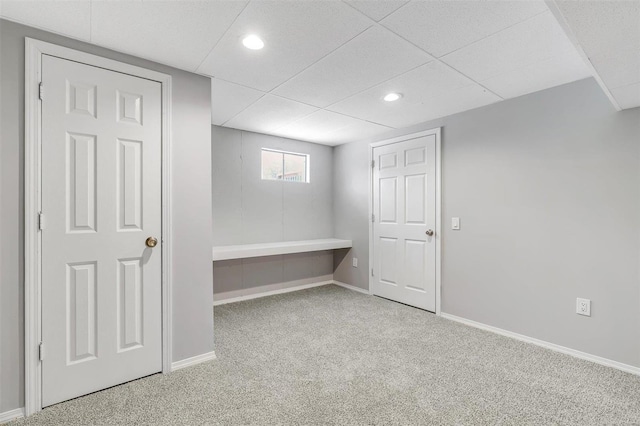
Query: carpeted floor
point(332, 356)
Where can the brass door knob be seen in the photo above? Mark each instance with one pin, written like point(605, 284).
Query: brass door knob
point(429, 232)
point(151, 242)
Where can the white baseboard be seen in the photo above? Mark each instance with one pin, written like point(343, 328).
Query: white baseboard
point(351, 287)
point(184, 363)
point(230, 296)
point(552, 346)
point(7, 416)
point(268, 293)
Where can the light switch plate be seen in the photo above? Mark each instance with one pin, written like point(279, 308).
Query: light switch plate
point(455, 223)
point(355, 262)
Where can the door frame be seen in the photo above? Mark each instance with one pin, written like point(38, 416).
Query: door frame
point(34, 50)
point(438, 231)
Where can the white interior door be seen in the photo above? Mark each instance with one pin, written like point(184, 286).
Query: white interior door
point(101, 200)
point(404, 206)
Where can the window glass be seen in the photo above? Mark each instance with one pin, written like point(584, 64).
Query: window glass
point(295, 167)
point(287, 166)
point(272, 166)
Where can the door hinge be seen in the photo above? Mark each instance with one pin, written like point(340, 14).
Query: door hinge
point(41, 91)
point(372, 272)
point(41, 351)
point(373, 218)
point(373, 164)
point(41, 221)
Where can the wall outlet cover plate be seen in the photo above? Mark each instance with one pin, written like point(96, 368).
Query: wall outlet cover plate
point(583, 307)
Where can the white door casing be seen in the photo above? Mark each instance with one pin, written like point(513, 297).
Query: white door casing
point(101, 199)
point(405, 208)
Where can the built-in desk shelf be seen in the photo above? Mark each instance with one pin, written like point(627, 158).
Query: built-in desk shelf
point(272, 249)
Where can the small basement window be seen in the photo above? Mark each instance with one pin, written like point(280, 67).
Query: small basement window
point(287, 166)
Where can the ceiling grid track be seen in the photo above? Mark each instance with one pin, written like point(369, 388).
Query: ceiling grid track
point(218, 41)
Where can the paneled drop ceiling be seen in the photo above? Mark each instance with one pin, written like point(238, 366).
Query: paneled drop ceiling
point(607, 34)
point(326, 65)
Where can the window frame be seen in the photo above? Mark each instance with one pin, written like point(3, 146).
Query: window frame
point(307, 165)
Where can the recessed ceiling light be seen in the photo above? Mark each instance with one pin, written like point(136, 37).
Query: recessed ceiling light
point(253, 42)
point(390, 97)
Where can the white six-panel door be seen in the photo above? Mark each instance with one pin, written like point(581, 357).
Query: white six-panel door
point(101, 200)
point(404, 208)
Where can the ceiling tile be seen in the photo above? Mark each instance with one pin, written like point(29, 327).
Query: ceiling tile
point(619, 66)
point(356, 131)
point(314, 126)
point(179, 33)
point(441, 26)
point(535, 40)
point(627, 96)
point(269, 113)
point(371, 58)
point(458, 100)
point(70, 18)
point(229, 99)
point(423, 90)
point(539, 76)
point(608, 32)
point(601, 26)
point(377, 10)
point(296, 34)
point(329, 128)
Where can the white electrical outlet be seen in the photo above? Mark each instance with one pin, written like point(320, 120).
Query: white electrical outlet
point(355, 262)
point(583, 307)
point(455, 223)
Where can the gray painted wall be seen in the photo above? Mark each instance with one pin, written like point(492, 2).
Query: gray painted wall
point(247, 209)
point(192, 230)
point(547, 187)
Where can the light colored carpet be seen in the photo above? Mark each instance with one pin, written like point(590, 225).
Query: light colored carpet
point(332, 356)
